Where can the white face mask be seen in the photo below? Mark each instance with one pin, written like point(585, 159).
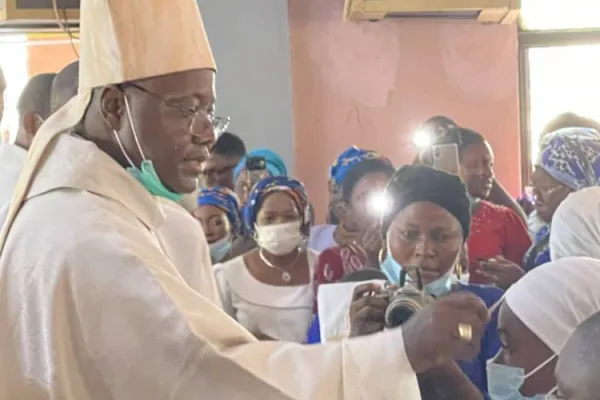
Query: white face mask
point(279, 239)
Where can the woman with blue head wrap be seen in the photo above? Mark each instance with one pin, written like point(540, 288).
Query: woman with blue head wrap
point(355, 177)
point(569, 160)
point(219, 213)
point(244, 179)
point(268, 289)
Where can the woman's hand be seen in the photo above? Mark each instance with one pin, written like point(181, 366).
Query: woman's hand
point(371, 243)
point(504, 273)
point(367, 311)
point(449, 329)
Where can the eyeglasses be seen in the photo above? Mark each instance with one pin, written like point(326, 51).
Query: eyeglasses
point(219, 124)
point(545, 192)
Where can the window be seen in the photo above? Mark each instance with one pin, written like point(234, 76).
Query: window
point(13, 60)
point(560, 14)
point(560, 60)
point(562, 79)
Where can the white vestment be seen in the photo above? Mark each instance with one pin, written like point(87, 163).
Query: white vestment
point(12, 159)
point(181, 237)
point(184, 243)
point(91, 308)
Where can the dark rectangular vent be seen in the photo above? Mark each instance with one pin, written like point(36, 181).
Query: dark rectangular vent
point(437, 14)
point(46, 4)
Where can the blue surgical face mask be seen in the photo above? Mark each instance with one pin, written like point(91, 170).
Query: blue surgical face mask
point(391, 269)
point(441, 286)
point(146, 174)
point(219, 249)
point(504, 382)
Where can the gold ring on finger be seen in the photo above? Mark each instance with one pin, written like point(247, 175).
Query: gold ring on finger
point(465, 331)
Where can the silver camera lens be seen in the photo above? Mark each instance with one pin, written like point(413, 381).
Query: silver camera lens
point(401, 308)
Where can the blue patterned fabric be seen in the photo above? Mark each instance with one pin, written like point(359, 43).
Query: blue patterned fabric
point(275, 164)
point(348, 159)
point(270, 185)
point(539, 252)
point(572, 156)
point(224, 199)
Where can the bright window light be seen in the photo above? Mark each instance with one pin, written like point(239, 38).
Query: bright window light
point(13, 60)
point(560, 14)
point(562, 79)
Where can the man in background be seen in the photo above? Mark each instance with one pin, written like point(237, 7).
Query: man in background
point(64, 86)
point(225, 155)
point(33, 108)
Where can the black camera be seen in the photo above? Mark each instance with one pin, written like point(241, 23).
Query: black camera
point(406, 301)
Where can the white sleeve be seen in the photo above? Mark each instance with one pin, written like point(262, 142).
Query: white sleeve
point(148, 335)
point(224, 289)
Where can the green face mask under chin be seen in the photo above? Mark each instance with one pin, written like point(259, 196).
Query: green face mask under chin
point(146, 174)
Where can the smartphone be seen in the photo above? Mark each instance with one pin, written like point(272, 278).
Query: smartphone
point(445, 158)
point(256, 163)
point(256, 169)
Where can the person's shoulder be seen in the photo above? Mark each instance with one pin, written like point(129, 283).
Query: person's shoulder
point(321, 237)
point(489, 294)
point(320, 229)
point(179, 222)
point(233, 264)
point(84, 234)
point(507, 214)
point(492, 207)
point(332, 251)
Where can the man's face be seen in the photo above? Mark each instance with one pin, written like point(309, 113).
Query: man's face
point(218, 171)
point(172, 116)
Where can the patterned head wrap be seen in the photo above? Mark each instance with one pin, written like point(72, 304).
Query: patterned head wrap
point(224, 199)
point(572, 156)
point(275, 164)
point(274, 184)
point(347, 160)
point(338, 171)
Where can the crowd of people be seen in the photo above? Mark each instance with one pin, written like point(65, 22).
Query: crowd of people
point(143, 256)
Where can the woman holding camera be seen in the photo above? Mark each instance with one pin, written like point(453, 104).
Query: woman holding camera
point(425, 228)
point(268, 289)
point(355, 243)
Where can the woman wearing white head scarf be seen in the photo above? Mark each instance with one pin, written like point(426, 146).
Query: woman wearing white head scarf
point(539, 314)
point(576, 226)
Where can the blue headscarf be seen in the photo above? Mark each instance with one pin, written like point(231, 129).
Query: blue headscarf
point(275, 164)
point(273, 184)
point(224, 199)
point(572, 156)
point(347, 160)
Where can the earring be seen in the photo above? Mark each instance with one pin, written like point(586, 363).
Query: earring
point(458, 269)
point(382, 255)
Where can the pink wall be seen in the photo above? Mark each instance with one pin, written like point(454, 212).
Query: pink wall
point(371, 84)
